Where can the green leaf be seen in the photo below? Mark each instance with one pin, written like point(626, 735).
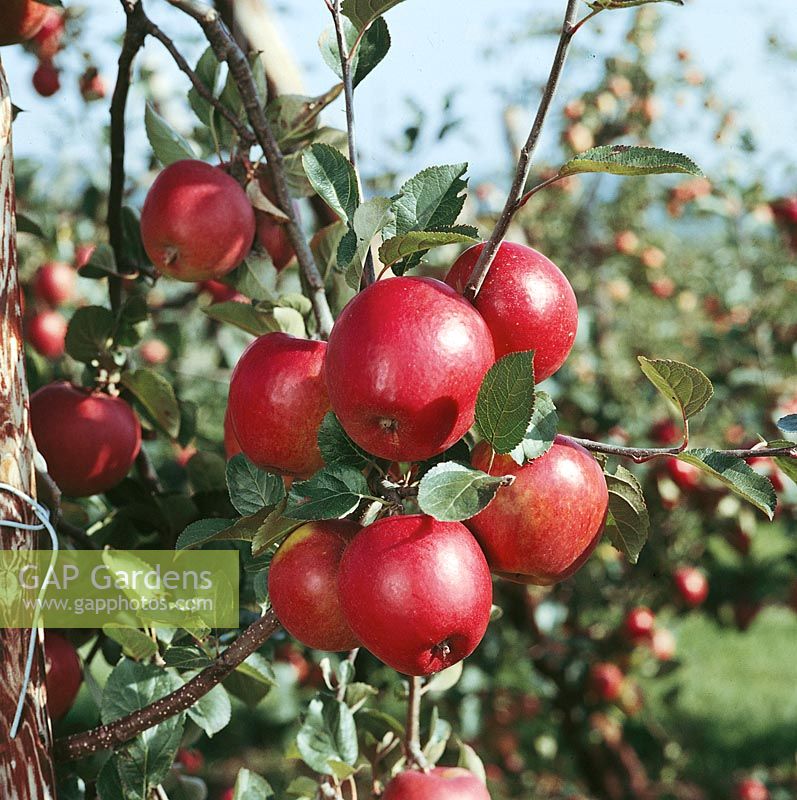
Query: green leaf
point(687, 388)
point(628, 525)
point(185, 658)
point(213, 711)
point(294, 118)
point(250, 786)
point(737, 475)
point(408, 244)
point(295, 175)
point(336, 446)
point(274, 528)
point(610, 5)
point(328, 734)
point(469, 759)
point(369, 219)
point(452, 492)
point(256, 278)
point(252, 488)
point(89, 333)
point(332, 176)
point(207, 70)
point(168, 145)
point(207, 472)
point(505, 404)
point(257, 321)
point(109, 784)
point(135, 643)
point(372, 49)
point(331, 493)
point(438, 738)
point(539, 436)
point(201, 531)
point(363, 12)
point(27, 224)
point(620, 159)
point(101, 264)
point(788, 424)
point(156, 396)
point(252, 680)
point(788, 466)
point(445, 680)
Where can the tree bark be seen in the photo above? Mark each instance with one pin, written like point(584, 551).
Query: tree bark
point(26, 769)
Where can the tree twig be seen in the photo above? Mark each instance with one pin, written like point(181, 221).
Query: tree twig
point(227, 49)
point(412, 737)
point(511, 206)
point(122, 730)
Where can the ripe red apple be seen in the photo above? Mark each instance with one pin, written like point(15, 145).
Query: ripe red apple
point(54, 283)
point(663, 644)
point(606, 680)
point(751, 789)
point(685, 476)
point(220, 292)
point(303, 585)
point(272, 232)
point(440, 783)
point(228, 794)
point(527, 303)
point(288, 653)
point(692, 585)
point(154, 351)
point(63, 673)
point(665, 432)
point(47, 41)
point(191, 760)
point(277, 400)
point(405, 362)
point(89, 440)
point(46, 80)
point(416, 592)
point(91, 85)
point(197, 222)
point(20, 20)
point(544, 526)
point(231, 446)
point(639, 624)
point(45, 332)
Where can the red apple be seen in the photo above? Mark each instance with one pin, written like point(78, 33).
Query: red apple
point(83, 254)
point(750, 789)
point(416, 592)
point(47, 41)
point(440, 783)
point(91, 85)
point(154, 351)
point(272, 232)
point(527, 302)
point(277, 400)
point(303, 585)
point(606, 681)
point(692, 585)
point(63, 673)
point(89, 440)
point(220, 292)
point(191, 760)
point(665, 432)
point(544, 526)
point(228, 794)
point(46, 80)
point(54, 283)
point(231, 446)
point(663, 644)
point(288, 653)
point(45, 332)
point(405, 362)
point(20, 20)
point(197, 222)
point(639, 624)
point(685, 476)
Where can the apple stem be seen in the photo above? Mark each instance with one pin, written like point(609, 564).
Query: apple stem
point(514, 199)
point(412, 739)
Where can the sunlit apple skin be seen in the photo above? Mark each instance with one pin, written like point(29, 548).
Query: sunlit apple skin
point(750, 789)
point(45, 332)
point(639, 624)
point(416, 592)
point(277, 400)
point(48, 39)
point(303, 585)
point(544, 526)
point(606, 680)
point(685, 476)
point(440, 783)
point(692, 585)
point(405, 362)
point(89, 440)
point(527, 302)
point(20, 20)
point(197, 222)
point(63, 674)
point(54, 283)
point(231, 446)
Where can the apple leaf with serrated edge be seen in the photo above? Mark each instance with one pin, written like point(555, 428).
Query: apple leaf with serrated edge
point(250, 786)
point(686, 387)
point(408, 244)
point(541, 432)
point(505, 404)
point(337, 447)
point(251, 488)
point(328, 734)
point(369, 219)
point(156, 396)
point(628, 523)
point(451, 492)
point(373, 47)
point(788, 466)
point(620, 159)
point(332, 176)
point(168, 145)
point(331, 493)
point(273, 529)
point(737, 475)
point(363, 12)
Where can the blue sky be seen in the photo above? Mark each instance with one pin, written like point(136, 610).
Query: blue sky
point(440, 46)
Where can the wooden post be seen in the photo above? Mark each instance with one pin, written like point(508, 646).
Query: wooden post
point(26, 769)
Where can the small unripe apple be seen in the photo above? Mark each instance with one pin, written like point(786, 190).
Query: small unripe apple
point(750, 789)
point(665, 432)
point(197, 222)
point(416, 592)
point(606, 681)
point(278, 398)
point(544, 526)
point(89, 440)
point(692, 585)
point(685, 476)
point(303, 585)
point(639, 624)
point(405, 362)
point(231, 446)
point(527, 303)
point(45, 332)
point(154, 351)
point(47, 41)
point(91, 85)
point(663, 644)
point(63, 673)
point(21, 20)
point(440, 783)
point(46, 79)
point(54, 283)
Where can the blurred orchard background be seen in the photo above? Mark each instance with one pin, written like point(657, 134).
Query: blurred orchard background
point(699, 270)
